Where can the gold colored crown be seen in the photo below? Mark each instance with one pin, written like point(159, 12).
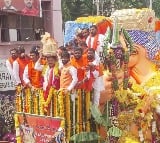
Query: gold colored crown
point(49, 45)
point(136, 19)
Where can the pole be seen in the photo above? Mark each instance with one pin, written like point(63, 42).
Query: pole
point(150, 4)
point(96, 2)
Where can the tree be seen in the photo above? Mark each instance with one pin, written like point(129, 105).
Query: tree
point(156, 7)
point(72, 9)
point(76, 8)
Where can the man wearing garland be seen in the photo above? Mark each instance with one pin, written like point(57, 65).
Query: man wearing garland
point(32, 77)
point(68, 78)
point(50, 71)
point(95, 75)
point(80, 62)
point(138, 118)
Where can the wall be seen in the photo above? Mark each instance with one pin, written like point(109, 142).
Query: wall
point(52, 24)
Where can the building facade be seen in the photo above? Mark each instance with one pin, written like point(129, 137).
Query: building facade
point(17, 29)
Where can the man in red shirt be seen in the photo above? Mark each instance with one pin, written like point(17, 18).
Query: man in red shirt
point(29, 8)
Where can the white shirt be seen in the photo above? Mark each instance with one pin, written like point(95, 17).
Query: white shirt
point(25, 75)
point(9, 67)
point(46, 77)
point(100, 43)
point(16, 72)
point(38, 66)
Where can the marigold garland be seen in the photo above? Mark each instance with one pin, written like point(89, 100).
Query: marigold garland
point(18, 138)
point(62, 104)
point(88, 116)
point(67, 115)
point(61, 107)
point(142, 100)
point(41, 96)
point(80, 111)
point(77, 112)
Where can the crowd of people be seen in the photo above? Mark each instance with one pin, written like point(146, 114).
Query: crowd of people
point(78, 68)
point(71, 68)
point(78, 65)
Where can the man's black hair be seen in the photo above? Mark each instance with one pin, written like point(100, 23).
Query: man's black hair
point(21, 49)
point(65, 54)
point(35, 50)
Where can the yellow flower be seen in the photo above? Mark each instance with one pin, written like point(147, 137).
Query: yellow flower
point(90, 19)
point(130, 140)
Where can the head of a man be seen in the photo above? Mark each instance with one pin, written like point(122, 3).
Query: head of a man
point(34, 53)
point(51, 60)
point(29, 3)
point(78, 53)
point(91, 54)
point(7, 3)
point(21, 52)
point(93, 30)
point(65, 56)
point(14, 53)
point(85, 32)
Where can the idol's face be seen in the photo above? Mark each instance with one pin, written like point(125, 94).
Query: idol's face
point(134, 57)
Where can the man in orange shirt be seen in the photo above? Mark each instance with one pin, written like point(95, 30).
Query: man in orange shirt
point(68, 78)
point(96, 75)
point(79, 62)
point(31, 76)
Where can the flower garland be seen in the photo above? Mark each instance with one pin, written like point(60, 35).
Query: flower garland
point(18, 99)
point(91, 19)
point(67, 115)
point(41, 104)
point(142, 100)
point(48, 101)
point(88, 116)
point(61, 107)
point(18, 137)
point(75, 120)
point(54, 102)
point(77, 112)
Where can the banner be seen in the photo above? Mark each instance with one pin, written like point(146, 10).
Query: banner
point(37, 129)
point(6, 80)
point(24, 7)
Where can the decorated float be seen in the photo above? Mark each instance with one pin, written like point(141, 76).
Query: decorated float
point(72, 113)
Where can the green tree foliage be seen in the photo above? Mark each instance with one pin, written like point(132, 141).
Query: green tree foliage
point(156, 7)
point(72, 9)
point(75, 8)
